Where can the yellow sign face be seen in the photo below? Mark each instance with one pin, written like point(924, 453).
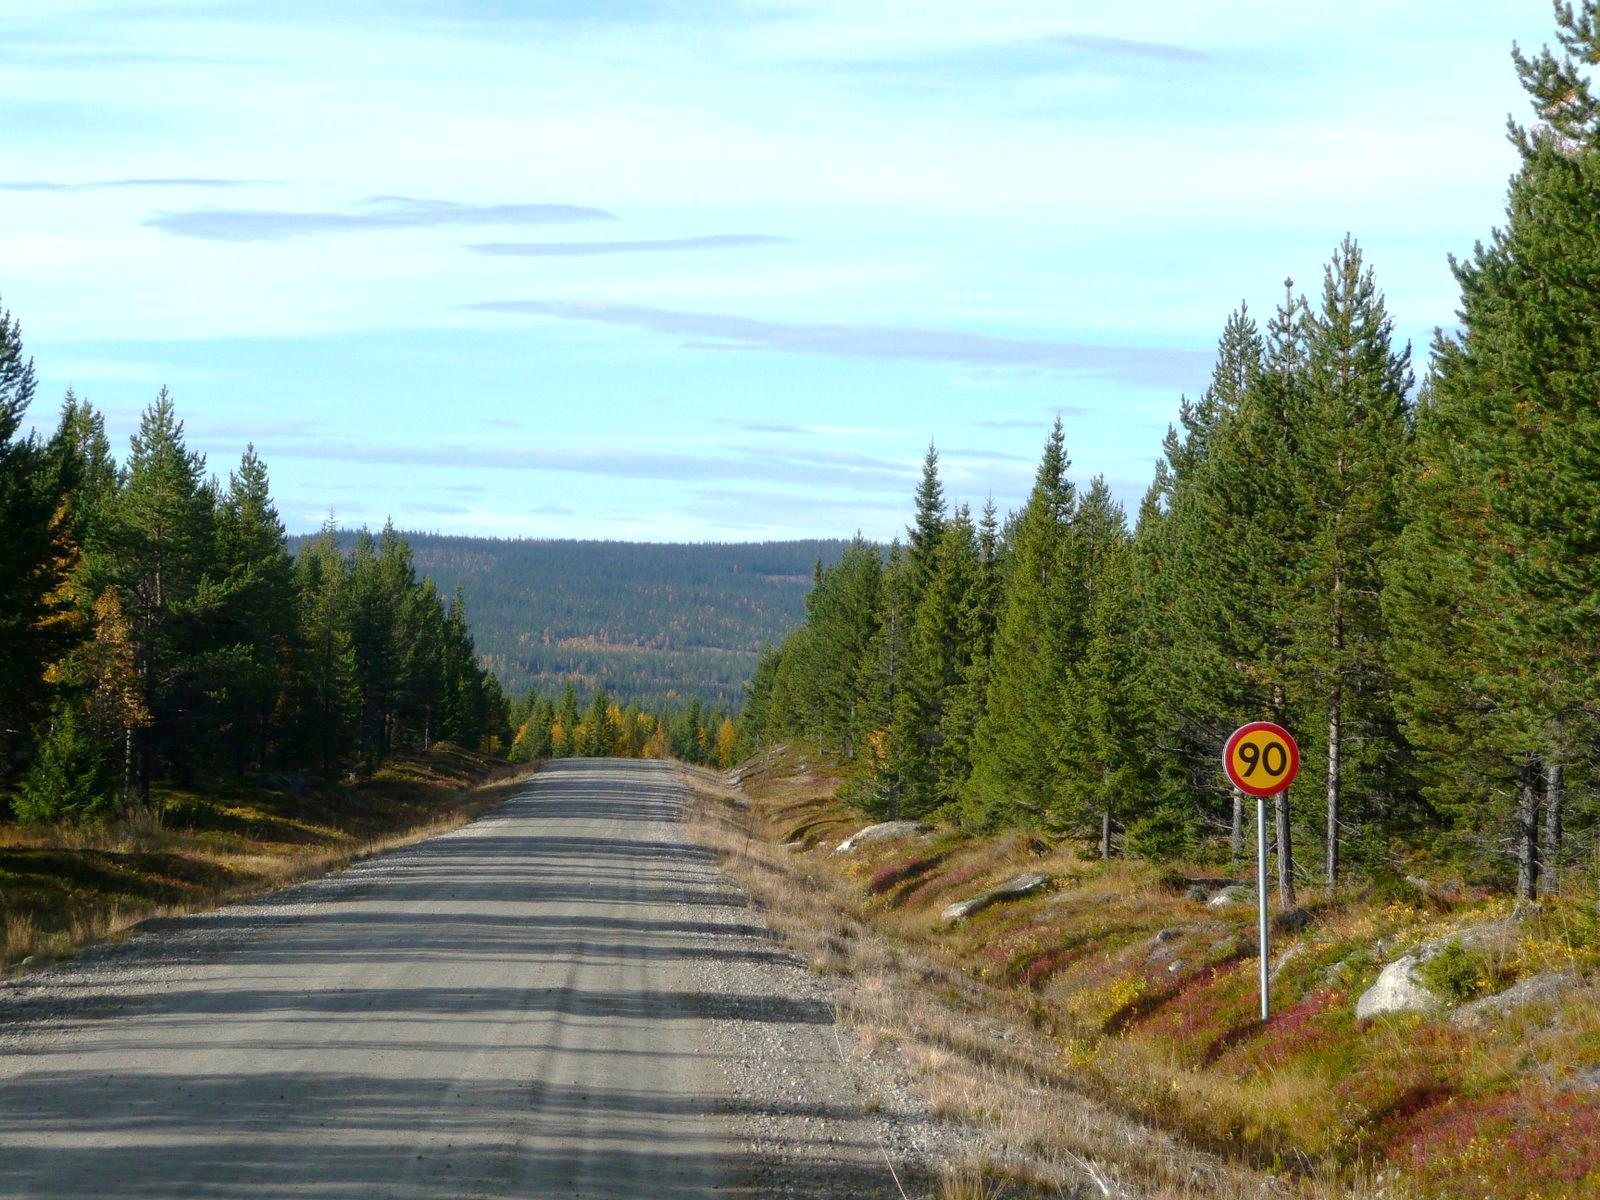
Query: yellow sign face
point(1261, 759)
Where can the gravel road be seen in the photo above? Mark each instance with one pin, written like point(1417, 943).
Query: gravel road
point(563, 999)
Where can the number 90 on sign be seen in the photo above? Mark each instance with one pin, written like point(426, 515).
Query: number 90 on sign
point(1261, 759)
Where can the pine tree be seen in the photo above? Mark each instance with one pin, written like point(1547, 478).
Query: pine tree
point(163, 547)
point(1495, 587)
point(599, 728)
point(255, 610)
point(327, 675)
point(565, 729)
point(1101, 757)
point(922, 538)
point(33, 553)
point(1015, 762)
point(1351, 439)
point(931, 757)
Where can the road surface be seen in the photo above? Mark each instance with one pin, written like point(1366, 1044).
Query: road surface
point(544, 1003)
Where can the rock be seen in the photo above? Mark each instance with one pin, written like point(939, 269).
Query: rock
point(1296, 920)
point(1011, 889)
point(1546, 985)
point(1175, 965)
point(798, 846)
point(1284, 959)
point(1202, 890)
point(1234, 893)
point(1397, 989)
point(884, 832)
point(1162, 936)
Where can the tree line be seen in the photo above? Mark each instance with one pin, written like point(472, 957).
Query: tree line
point(655, 622)
point(153, 624)
point(560, 727)
point(1407, 577)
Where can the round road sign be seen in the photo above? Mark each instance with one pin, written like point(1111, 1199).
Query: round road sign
point(1261, 758)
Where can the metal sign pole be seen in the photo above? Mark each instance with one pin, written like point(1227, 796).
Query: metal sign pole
point(1261, 900)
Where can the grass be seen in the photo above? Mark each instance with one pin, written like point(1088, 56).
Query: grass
point(1124, 1014)
point(65, 887)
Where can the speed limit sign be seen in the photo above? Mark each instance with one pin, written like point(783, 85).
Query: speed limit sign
point(1261, 758)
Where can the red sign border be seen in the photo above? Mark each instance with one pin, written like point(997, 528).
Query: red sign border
point(1261, 727)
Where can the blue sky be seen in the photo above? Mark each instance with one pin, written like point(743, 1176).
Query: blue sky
point(705, 270)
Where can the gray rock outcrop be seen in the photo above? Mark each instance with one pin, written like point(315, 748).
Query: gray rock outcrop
point(1012, 889)
point(1546, 985)
point(1397, 989)
point(1235, 893)
point(884, 832)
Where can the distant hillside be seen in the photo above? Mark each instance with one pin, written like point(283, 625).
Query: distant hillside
point(650, 621)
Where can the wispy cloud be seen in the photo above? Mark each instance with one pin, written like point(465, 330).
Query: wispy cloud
point(381, 212)
point(105, 185)
point(1030, 422)
point(748, 466)
point(1115, 47)
point(714, 241)
point(719, 331)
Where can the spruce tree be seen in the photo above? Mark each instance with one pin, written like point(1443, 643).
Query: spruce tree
point(255, 608)
point(33, 556)
point(1351, 439)
point(163, 547)
point(327, 675)
point(1015, 759)
point(1505, 500)
point(1100, 756)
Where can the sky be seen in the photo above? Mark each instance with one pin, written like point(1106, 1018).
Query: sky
point(712, 271)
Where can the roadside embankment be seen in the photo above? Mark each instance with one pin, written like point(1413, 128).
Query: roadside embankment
point(1102, 1026)
point(64, 887)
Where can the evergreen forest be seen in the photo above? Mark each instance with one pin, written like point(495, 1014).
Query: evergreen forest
point(659, 623)
point(153, 625)
point(563, 727)
point(1404, 572)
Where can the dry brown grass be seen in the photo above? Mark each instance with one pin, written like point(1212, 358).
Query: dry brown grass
point(982, 1055)
point(67, 887)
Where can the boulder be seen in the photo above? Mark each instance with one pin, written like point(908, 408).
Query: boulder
point(1011, 889)
point(1546, 985)
point(885, 832)
point(1202, 890)
point(1234, 893)
point(1397, 989)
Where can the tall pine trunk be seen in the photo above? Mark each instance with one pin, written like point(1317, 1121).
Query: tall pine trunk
point(1105, 832)
point(1335, 733)
point(1555, 797)
point(1236, 833)
point(1280, 812)
point(1528, 830)
point(1280, 809)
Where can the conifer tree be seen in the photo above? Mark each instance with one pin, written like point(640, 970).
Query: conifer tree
point(163, 545)
point(565, 730)
point(1495, 589)
point(328, 669)
point(1100, 757)
point(1015, 760)
point(930, 753)
point(255, 608)
point(1351, 441)
point(33, 555)
point(927, 527)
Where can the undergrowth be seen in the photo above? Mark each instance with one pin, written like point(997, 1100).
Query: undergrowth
point(1125, 990)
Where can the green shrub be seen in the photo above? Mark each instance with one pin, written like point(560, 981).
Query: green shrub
point(1457, 973)
point(70, 778)
point(1166, 834)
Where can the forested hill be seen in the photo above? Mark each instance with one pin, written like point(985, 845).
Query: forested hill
point(655, 622)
